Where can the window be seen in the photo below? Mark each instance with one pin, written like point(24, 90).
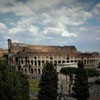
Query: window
point(35, 57)
point(59, 61)
point(75, 60)
point(39, 63)
point(38, 71)
point(23, 50)
point(43, 61)
point(55, 61)
point(31, 70)
point(55, 64)
point(22, 61)
point(19, 67)
point(51, 58)
point(35, 70)
point(32, 62)
point(67, 58)
point(35, 63)
point(67, 61)
point(16, 59)
point(82, 58)
point(63, 61)
point(25, 57)
point(71, 60)
point(29, 67)
point(26, 61)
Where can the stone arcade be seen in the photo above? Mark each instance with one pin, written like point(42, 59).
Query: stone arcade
point(30, 59)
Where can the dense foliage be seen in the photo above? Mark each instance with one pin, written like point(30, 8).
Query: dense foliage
point(97, 81)
point(91, 72)
point(48, 83)
point(68, 70)
point(81, 86)
point(13, 85)
point(99, 65)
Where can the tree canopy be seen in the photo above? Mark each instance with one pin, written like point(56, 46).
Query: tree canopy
point(81, 87)
point(70, 70)
point(48, 83)
point(99, 65)
point(13, 85)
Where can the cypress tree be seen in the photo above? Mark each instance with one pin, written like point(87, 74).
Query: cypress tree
point(81, 86)
point(99, 65)
point(48, 83)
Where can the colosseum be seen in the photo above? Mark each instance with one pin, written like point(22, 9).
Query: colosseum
point(30, 59)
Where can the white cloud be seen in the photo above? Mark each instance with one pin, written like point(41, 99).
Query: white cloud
point(4, 8)
point(38, 4)
point(66, 15)
point(84, 29)
point(2, 26)
point(67, 34)
point(96, 9)
point(60, 31)
point(98, 38)
point(34, 29)
point(6, 1)
point(16, 30)
point(24, 25)
point(3, 30)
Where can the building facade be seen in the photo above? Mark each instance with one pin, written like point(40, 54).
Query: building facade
point(3, 52)
point(30, 59)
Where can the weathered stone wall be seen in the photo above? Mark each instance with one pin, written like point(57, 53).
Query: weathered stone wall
point(30, 59)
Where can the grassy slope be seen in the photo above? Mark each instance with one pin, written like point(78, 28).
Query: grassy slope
point(33, 85)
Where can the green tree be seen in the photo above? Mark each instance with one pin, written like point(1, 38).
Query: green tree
point(99, 65)
point(91, 72)
point(48, 83)
point(81, 86)
point(13, 85)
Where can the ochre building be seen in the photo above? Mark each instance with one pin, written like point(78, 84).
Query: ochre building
point(30, 59)
point(3, 52)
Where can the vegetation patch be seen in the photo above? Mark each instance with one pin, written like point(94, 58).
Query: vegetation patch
point(33, 85)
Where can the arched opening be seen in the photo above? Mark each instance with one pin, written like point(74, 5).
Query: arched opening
point(38, 71)
point(55, 62)
point(59, 61)
point(39, 63)
point(31, 71)
point(25, 71)
point(71, 60)
point(35, 70)
point(16, 59)
point(67, 58)
point(35, 63)
point(51, 58)
point(35, 57)
point(63, 61)
point(19, 68)
point(29, 67)
point(32, 62)
point(22, 61)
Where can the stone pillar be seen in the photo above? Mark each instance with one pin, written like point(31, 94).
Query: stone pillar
point(9, 51)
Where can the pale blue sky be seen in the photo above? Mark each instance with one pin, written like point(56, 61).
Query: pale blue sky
point(51, 22)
